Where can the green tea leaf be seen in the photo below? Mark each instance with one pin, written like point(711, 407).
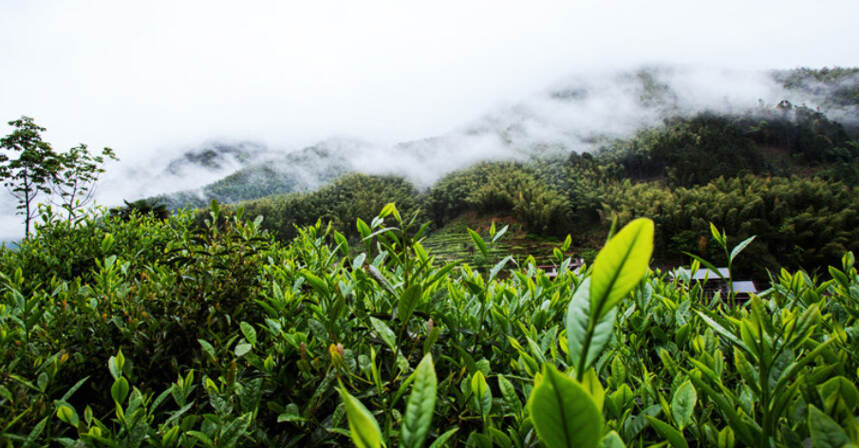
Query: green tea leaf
point(242, 349)
point(362, 227)
point(116, 364)
point(825, 432)
point(290, 413)
point(563, 413)
point(478, 241)
point(591, 383)
point(482, 394)
point(839, 392)
point(739, 247)
point(202, 437)
point(683, 404)
point(409, 300)
point(620, 265)
point(119, 390)
point(363, 427)
point(68, 414)
point(249, 333)
point(722, 331)
point(316, 283)
point(441, 441)
point(208, 348)
point(385, 333)
point(717, 235)
point(674, 437)
point(420, 405)
point(612, 440)
point(585, 347)
point(388, 209)
point(509, 394)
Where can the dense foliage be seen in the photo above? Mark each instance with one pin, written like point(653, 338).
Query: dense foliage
point(839, 85)
point(35, 171)
point(168, 333)
point(687, 151)
point(799, 222)
point(503, 187)
point(348, 198)
point(300, 171)
point(696, 150)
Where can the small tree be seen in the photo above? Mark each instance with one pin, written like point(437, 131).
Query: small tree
point(32, 172)
point(75, 180)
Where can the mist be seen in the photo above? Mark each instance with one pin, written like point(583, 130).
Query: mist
point(416, 90)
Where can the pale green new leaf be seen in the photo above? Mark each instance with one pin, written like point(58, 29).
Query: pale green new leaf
point(674, 437)
point(385, 333)
point(363, 427)
point(242, 349)
point(482, 393)
point(683, 404)
point(620, 265)
point(420, 406)
point(509, 394)
point(612, 440)
point(583, 352)
point(478, 241)
point(441, 441)
point(249, 332)
point(119, 390)
point(717, 235)
point(563, 413)
point(739, 247)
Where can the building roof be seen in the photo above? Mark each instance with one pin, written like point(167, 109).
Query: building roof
point(745, 287)
point(703, 273)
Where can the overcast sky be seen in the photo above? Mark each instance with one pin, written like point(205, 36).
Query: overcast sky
point(148, 75)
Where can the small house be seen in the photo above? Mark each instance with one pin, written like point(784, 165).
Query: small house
point(717, 281)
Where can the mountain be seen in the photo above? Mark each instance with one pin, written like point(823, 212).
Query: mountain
point(272, 173)
point(216, 156)
point(578, 114)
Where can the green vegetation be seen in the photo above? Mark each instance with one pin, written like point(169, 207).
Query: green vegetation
point(348, 198)
point(683, 176)
point(501, 187)
point(295, 172)
point(838, 85)
point(39, 171)
point(507, 236)
point(799, 222)
point(30, 174)
point(171, 333)
point(313, 319)
point(694, 151)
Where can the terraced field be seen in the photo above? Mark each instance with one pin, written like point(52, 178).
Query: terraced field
point(452, 242)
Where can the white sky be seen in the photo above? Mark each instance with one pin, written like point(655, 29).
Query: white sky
point(144, 76)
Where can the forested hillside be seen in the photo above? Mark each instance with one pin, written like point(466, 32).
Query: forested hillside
point(378, 310)
point(786, 174)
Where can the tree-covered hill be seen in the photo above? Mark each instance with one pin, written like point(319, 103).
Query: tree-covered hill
point(273, 174)
point(369, 309)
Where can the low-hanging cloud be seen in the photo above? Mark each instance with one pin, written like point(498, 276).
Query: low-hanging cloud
point(457, 82)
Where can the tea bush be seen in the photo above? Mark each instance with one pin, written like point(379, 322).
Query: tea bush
point(501, 187)
point(799, 223)
point(348, 198)
point(174, 334)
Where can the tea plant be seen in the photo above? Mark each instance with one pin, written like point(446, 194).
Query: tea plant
point(138, 331)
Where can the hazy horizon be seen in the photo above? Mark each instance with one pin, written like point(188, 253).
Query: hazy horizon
point(156, 79)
